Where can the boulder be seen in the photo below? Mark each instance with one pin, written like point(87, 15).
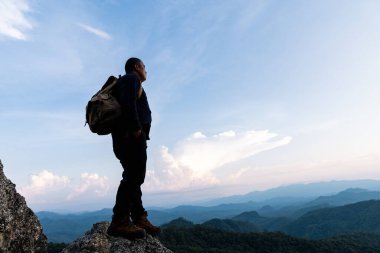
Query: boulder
point(97, 240)
point(20, 229)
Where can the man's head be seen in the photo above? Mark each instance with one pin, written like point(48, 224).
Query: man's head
point(135, 65)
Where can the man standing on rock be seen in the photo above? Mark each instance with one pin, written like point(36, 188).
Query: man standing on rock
point(129, 144)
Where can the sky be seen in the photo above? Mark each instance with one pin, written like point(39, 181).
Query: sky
point(246, 95)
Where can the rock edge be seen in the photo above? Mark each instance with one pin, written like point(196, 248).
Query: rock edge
point(97, 240)
point(20, 229)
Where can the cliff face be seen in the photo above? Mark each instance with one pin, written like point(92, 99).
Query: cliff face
point(97, 240)
point(20, 229)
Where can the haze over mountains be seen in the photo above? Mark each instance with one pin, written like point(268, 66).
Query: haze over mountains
point(307, 190)
point(272, 210)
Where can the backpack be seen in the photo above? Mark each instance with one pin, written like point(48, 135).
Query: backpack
point(103, 110)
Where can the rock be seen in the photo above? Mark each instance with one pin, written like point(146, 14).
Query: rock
point(97, 240)
point(20, 229)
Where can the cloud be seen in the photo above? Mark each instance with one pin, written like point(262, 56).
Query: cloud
point(44, 182)
point(48, 187)
point(172, 175)
point(196, 160)
point(205, 154)
point(95, 31)
point(12, 18)
point(91, 184)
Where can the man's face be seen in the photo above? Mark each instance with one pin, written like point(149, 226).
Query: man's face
point(140, 70)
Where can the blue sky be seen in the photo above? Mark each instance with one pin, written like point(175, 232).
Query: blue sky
point(245, 95)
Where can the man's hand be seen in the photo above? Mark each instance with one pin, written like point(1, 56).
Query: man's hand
point(137, 133)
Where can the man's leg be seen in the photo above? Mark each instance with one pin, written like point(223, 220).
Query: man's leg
point(137, 176)
point(138, 213)
point(126, 194)
point(132, 155)
point(121, 224)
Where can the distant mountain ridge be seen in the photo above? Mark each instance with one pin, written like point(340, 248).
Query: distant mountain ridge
point(65, 228)
point(68, 227)
point(350, 195)
point(305, 191)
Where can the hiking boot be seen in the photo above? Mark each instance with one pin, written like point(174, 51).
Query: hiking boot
point(124, 228)
point(143, 222)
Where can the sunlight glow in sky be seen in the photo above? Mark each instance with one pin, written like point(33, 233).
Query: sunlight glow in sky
point(245, 94)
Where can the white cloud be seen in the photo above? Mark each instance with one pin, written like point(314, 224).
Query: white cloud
point(195, 161)
point(97, 32)
point(12, 18)
point(172, 175)
point(209, 153)
point(91, 184)
point(46, 187)
point(197, 135)
point(44, 182)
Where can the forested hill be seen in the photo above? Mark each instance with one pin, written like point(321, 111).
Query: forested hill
point(263, 223)
point(359, 217)
point(206, 240)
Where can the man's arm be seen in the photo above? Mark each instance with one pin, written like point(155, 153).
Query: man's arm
point(129, 93)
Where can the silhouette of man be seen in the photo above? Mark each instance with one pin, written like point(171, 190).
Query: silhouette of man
point(129, 144)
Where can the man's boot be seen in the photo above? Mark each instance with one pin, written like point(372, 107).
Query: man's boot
point(124, 228)
point(143, 222)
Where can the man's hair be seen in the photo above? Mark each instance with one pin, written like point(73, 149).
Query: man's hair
point(130, 64)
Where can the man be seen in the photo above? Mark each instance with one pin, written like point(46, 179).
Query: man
point(129, 144)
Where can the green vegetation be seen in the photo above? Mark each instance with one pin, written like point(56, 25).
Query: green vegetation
point(201, 239)
point(362, 217)
point(263, 223)
point(230, 225)
point(178, 223)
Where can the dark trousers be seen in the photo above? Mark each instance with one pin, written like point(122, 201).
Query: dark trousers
point(131, 152)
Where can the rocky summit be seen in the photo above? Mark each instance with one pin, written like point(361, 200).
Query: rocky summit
point(20, 229)
point(97, 240)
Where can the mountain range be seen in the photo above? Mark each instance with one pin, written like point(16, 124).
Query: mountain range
point(303, 191)
point(361, 217)
point(268, 215)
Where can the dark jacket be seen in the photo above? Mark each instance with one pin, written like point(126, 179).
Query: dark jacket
point(136, 111)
